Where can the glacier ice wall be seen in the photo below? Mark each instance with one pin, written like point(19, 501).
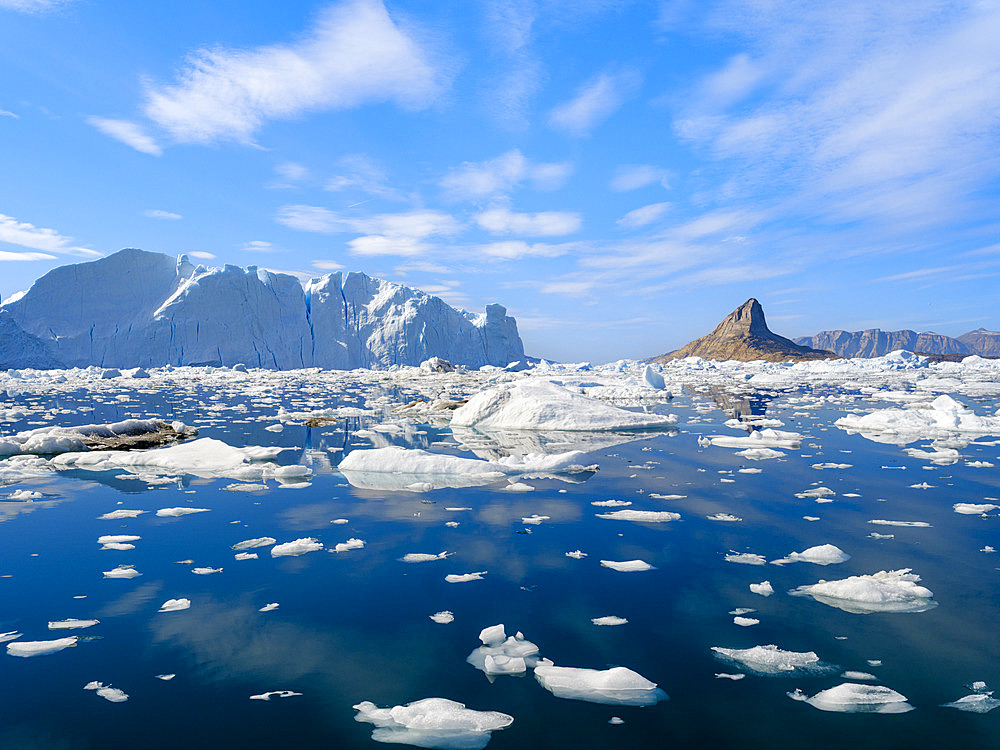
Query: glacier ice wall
point(136, 308)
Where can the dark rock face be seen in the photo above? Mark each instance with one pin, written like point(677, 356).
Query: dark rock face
point(875, 342)
point(744, 336)
point(982, 342)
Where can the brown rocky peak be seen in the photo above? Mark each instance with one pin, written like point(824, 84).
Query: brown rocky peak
point(748, 318)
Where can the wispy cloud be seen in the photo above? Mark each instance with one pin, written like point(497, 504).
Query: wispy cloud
point(8, 255)
point(542, 224)
point(634, 176)
point(201, 255)
point(498, 176)
point(260, 246)
point(640, 217)
point(517, 249)
point(23, 234)
point(6, 113)
point(32, 6)
point(327, 265)
point(354, 54)
point(129, 133)
point(595, 101)
point(362, 173)
point(157, 213)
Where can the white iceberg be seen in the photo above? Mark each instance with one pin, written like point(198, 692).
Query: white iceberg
point(770, 660)
point(122, 571)
point(823, 554)
point(72, 624)
point(178, 512)
point(885, 591)
point(175, 605)
point(974, 509)
point(979, 703)
point(627, 566)
point(609, 620)
point(465, 577)
point(122, 513)
point(39, 648)
point(760, 439)
point(764, 588)
point(112, 694)
point(261, 541)
point(416, 557)
point(433, 723)
point(640, 516)
point(443, 617)
point(352, 543)
point(274, 694)
point(296, 547)
point(501, 654)
point(618, 686)
point(851, 697)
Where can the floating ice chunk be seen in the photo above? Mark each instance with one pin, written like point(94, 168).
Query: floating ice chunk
point(653, 378)
point(352, 543)
point(205, 571)
point(122, 571)
point(724, 676)
point(22, 496)
point(275, 427)
point(341, 521)
point(262, 541)
point(501, 654)
point(292, 473)
point(943, 416)
point(850, 697)
point(576, 554)
point(885, 591)
point(609, 620)
point(535, 519)
point(816, 492)
point(433, 723)
point(39, 648)
point(107, 692)
point(618, 686)
point(443, 617)
point(770, 660)
point(616, 720)
point(611, 503)
point(72, 624)
point(245, 556)
point(417, 557)
point(828, 465)
point(746, 558)
point(518, 487)
point(465, 577)
point(118, 541)
point(746, 622)
point(165, 677)
point(175, 605)
point(177, 512)
point(759, 454)
point(274, 694)
point(537, 404)
point(627, 566)
point(10, 635)
point(910, 524)
point(979, 703)
point(824, 554)
point(727, 517)
point(296, 547)
point(640, 516)
point(493, 635)
point(767, 438)
point(244, 487)
point(270, 607)
point(810, 518)
point(122, 513)
point(972, 509)
point(851, 675)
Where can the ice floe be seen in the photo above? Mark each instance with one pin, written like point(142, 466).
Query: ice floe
point(609, 620)
point(175, 605)
point(274, 694)
point(850, 697)
point(501, 654)
point(262, 541)
point(465, 577)
point(746, 558)
point(443, 617)
point(269, 607)
point(122, 513)
point(416, 557)
point(58, 440)
point(296, 547)
point(178, 512)
point(627, 566)
point(576, 554)
point(885, 591)
point(433, 723)
point(352, 543)
point(974, 509)
point(39, 648)
point(122, 571)
point(640, 516)
point(770, 660)
point(823, 554)
point(942, 417)
point(72, 624)
point(979, 703)
point(112, 694)
point(618, 686)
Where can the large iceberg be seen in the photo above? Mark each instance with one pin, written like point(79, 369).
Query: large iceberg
point(885, 591)
point(433, 723)
point(136, 308)
point(618, 686)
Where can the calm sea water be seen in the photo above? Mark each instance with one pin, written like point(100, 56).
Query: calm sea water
point(355, 626)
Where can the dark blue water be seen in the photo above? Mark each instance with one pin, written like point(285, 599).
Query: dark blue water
point(355, 626)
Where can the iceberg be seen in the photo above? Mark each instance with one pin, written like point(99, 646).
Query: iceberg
point(72, 624)
point(824, 554)
point(501, 654)
point(112, 694)
point(141, 309)
point(851, 697)
point(296, 547)
point(627, 566)
point(943, 417)
point(39, 648)
point(640, 516)
point(770, 660)
point(130, 433)
point(175, 605)
point(885, 591)
point(433, 723)
point(618, 686)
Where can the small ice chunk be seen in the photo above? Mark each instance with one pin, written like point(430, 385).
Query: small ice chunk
point(432, 723)
point(465, 577)
point(746, 558)
point(274, 694)
point(746, 622)
point(609, 620)
point(245, 556)
point(122, 571)
point(618, 686)
point(640, 516)
point(725, 676)
point(205, 571)
point(850, 697)
point(616, 720)
point(518, 487)
point(493, 635)
point(764, 588)
point(443, 617)
point(911, 524)
point(352, 543)
point(824, 554)
point(972, 509)
point(885, 591)
point(296, 547)
point(979, 703)
point(10, 635)
point(770, 660)
point(852, 675)
point(416, 557)
point(611, 503)
point(177, 512)
point(627, 566)
point(39, 648)
point(73, 624)
point(535, 519)
point(727, 517)
point(107, 692)
point(576, 554)
point(340, 521)
point(270, 607)
point(165, 677)
point(122, 513)
point(263, 541)
point(175, 605)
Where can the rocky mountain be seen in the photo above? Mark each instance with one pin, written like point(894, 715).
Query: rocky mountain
point(744, 336)
point(982, 342)
point(136, 308)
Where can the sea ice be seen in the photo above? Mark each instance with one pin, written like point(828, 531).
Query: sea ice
point(611, 503)
point(270, 607)
point(746, 622)
point(177, 512)
point(609, 620)
point(117, 514)
point(296, 547)
point(501, 654)
point(885, 591)
point(942, 417)
point(274, 694)
point(767, 438)
point(850, 697)
point(746, 558)
point(122, 571)
point(352, 543)
point(246, 556)
point(72, 624)
point(39, 648)
point(576, 554)
point(535, 519)
point(770, 660)
point(433, 723)
point(824, 554)
point(972, 509)
point(979, 703)
point(443, 617)
point(465, 577)
point(175, 605)
point(627, 566)
point(618, 686)
point(640, 516)
point(764, 588)
point(910, 524)
point(205, 571)
point(263, 541)
point(107, 692)
point(416, 557)
point(727, 517)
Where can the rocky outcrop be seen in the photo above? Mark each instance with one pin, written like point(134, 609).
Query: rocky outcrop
point(141, 309)
point(744, 336)
point(982, 342)
point(875, 342)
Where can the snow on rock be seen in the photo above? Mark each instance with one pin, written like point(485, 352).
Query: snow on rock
point(538, 404)
point(942, 417)
point(58, 440)
point(175, 605)
point(885, 591)
point(824, 554)
point(296, 547)
point(433, 723)
point(112, 694)
point(851, 697)
point(39, 648)
point(618, 686)
point(770, 660)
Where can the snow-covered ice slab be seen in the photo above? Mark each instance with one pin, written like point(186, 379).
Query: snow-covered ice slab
point(433, 723)
point(851, 697)
point(39, 648)
point(767, 438)
point(885, 591)
point(770, 661)
point(72, 624)
point(979, 703)
point(627, 566)
point(943, 417)
point(640, 516)
point(618, 686)
point(539, 404)
point(296, 547)
point(823, 554)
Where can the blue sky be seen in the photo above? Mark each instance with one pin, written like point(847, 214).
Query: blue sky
point(619, 174)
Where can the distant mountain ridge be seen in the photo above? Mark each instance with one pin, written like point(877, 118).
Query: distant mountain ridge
point(875, 342)
point(135, 308)
point(743, 335)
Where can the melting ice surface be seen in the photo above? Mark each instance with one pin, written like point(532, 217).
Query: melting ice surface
point(384, 621)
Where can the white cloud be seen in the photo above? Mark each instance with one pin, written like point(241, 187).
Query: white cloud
point(360, 172)
point(32, 6)
point(327, 265)
point(515, 249)
point(201, 255)
point(292, 171)
point(129, 133)
point(640, 217)
point(156, 213)
point(634, 176)
point(5, 113)
point(413, 225)
point(309, 219)
point(543, 224)
point(259, 246)
point(376, 244)
point(354, 55)
point(8, 255)
point(474, 180)
point(595, 101)
point(23, 234)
